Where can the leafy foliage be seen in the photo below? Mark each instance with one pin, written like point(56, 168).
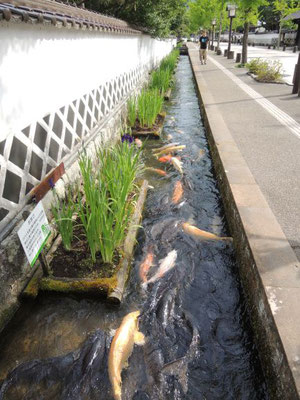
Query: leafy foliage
point(266, 70)
point(158, 17)
point(63, 211)
point(149, 104)
point(104, 210)
point(131, 108)
point(202, 12)
point(160, 79)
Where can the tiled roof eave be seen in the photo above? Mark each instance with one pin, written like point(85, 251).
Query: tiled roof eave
point(294, 16)
point(85, 20)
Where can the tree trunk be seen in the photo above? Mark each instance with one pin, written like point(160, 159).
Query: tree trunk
point(220, 27)
point(279, 35)
point(297, 39)
point(245, 43)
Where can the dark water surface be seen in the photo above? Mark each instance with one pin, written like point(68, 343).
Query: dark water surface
point(198, 340)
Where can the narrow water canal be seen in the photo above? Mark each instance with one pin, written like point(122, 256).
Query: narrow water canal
point(198, 340)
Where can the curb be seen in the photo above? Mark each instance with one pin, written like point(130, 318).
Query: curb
point(269, 269)
point(253, 76)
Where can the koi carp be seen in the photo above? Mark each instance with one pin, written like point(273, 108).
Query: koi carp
point(146, 265)
point(164, 147)
point(166, 264)
point(200, 154)
point(194, 231)
point(171, 150)
point(121, 348)
point(177, 164)
point(157, 170)
point(138, 142)
point(178, 192)
point(165, 159)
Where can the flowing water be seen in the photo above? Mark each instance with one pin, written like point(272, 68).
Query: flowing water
point(198, 339)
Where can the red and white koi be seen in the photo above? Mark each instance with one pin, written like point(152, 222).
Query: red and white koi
point(166, 264)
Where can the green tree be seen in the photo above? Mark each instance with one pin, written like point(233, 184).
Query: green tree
point(201, 13)
point(284, 8)
point(269, 16)
point(158, 17)
point(248, 11)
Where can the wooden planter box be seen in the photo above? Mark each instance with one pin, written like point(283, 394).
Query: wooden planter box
point(111, 288)
point(154, 132)
point(167, 95)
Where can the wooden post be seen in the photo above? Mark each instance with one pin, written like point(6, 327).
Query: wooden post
point(230, 55)
point(238, 57)
point(296, 77)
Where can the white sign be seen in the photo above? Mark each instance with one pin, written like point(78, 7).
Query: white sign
point(34, 233)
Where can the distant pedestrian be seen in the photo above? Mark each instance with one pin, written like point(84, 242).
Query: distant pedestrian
point(203, 47)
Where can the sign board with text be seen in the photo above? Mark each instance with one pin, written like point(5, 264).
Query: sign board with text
point(34, 233)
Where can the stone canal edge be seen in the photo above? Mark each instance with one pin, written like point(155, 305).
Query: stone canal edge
point(268, 267)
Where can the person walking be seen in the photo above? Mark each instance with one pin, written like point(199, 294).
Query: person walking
point(203, 47)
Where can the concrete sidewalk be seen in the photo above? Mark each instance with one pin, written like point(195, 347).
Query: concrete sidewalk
point(270, 149)
point(254, 135)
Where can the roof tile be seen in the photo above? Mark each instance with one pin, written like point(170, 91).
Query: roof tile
point(54, 11)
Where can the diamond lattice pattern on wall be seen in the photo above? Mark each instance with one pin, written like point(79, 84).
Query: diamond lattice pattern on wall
point(28, 155)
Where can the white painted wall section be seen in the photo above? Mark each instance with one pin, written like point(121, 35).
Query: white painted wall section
point(43, 68)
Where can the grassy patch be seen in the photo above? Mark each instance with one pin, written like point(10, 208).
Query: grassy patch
point(265, 70)
point(161, 80)
point(149, 104)
point(103, 208)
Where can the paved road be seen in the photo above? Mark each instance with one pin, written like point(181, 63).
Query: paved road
point(264, 120)
point(287, 58)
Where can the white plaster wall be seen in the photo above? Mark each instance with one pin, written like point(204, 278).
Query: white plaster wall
point(44, 68)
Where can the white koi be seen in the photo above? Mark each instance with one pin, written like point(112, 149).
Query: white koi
point(166, 264)
point(177, 164)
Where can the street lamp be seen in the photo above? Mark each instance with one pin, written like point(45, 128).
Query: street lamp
point(213, 22)
point(231, 14)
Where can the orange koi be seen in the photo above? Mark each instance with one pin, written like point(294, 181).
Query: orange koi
point(178, 192)
point(146, 265)
point(157, 170)
point(168, 158)
point(127, 335)
point(165, 159)
point(194, 231)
